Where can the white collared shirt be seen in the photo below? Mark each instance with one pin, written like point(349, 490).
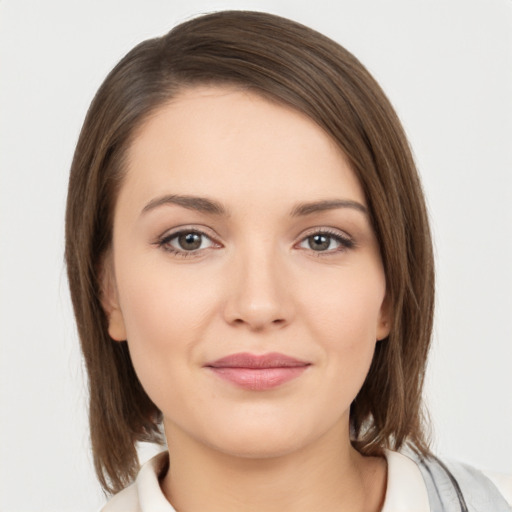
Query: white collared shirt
point(405, 491)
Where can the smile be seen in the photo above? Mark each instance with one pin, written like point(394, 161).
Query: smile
point(258, 372)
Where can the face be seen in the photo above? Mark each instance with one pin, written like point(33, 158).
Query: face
point(244, 274)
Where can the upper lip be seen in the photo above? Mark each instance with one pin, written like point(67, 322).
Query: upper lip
point(257, 361)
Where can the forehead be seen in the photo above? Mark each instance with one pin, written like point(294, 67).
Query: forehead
point(221, 139)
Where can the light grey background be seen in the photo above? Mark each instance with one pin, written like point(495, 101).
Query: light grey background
point(447, 67)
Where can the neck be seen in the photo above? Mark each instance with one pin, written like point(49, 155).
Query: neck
point(326, 475)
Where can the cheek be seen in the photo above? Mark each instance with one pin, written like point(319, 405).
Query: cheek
point(349, 310)
point(158, 303)
point(165, 315)
point(345, 319)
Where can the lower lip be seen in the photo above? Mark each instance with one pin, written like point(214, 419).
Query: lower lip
point(258, 379)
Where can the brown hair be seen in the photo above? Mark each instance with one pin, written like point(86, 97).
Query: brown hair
point(294, 65)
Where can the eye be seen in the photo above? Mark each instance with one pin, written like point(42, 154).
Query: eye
point(187, 241)
point(325, 241)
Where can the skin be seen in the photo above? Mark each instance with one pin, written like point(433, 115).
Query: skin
point(258, 283)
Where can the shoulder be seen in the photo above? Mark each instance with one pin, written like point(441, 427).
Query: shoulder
point(482, 486)
point(145, 494)
point(451, 484)
point(125, 501)
point(406, 489)
point(503, 483)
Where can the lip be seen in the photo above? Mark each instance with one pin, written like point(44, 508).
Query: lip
point(258, 372)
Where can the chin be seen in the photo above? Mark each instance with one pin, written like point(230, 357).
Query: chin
point(261, 445)
point(260, 439)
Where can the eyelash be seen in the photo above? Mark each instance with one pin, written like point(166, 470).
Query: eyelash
point(345, 242)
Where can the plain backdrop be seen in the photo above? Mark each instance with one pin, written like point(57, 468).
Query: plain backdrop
point(446, 66)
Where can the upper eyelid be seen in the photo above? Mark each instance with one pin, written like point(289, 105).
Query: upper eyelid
point(188, 228)
point(325, 230)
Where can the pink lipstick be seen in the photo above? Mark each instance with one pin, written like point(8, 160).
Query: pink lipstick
point(258, 372)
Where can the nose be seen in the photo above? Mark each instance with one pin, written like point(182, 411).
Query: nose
point(259, 294)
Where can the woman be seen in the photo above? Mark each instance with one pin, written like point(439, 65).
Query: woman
point(251, 270)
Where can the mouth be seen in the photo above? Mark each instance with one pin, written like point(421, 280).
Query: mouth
point(258, 372)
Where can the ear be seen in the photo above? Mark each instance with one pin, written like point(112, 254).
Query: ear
point(384, 320)
point(110, 300)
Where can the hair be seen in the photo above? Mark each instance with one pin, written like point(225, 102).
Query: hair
point(293, 65)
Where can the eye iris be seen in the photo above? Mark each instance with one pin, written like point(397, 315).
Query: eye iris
point(319, 242)
point(190, 241)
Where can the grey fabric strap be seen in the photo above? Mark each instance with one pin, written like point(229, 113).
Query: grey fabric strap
point(459, 488)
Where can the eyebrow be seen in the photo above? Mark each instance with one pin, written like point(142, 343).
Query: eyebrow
point(328, 204)
point(205, 205)
point(201, 204)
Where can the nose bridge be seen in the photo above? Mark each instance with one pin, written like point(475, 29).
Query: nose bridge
point(258, 298)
